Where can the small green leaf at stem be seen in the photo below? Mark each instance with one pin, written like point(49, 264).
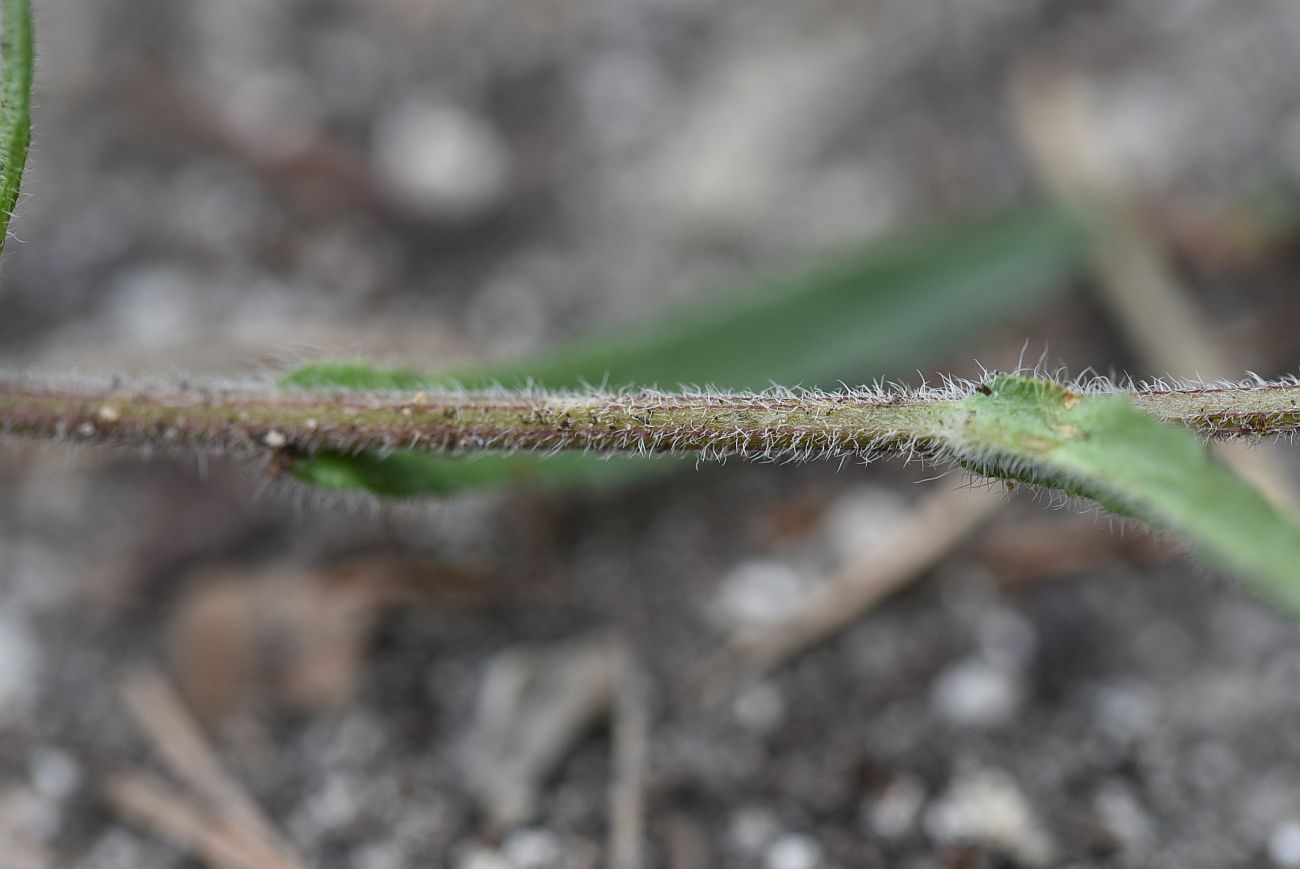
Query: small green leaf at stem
point(1103, 448)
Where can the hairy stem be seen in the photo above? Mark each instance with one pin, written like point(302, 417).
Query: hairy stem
point(754, 425)
point(1249, 410)
point(604, 422)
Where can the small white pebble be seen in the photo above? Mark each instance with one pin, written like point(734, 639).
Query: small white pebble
point(478, 857)
point(54, 773)
point(1284, 844)
point(85, 430)
point(893, 814)
point(751, 829)
point(441, 159)
point(1123, 816)
point(758, 592)
point(330, 805)
point(987, 806)
point(379, 855)
point(108, 413)
point(977, 693)
point(19, 667)
point(794, 851)
point(274, 440)
point(532, 849)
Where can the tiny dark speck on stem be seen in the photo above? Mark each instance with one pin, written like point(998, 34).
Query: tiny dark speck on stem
point(983, 389)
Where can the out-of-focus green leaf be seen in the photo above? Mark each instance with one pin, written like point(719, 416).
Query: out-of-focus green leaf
point(880, 311)
point(408, 474)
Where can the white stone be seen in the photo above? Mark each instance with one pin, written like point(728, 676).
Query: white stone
point(440, 159)
point(478, 857)
point(758, 592)
point(751, 829)
point(794, 851)
point(330, 806)
point(985, 806)
point(379, 855)
point(893, 814)
point(977, 693)
point(1123, 817)
point(55, 774)
point(19, 666)
point(1284, 844)
point(532, 849)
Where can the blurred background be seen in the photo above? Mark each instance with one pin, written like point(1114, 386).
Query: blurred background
point(787, 667)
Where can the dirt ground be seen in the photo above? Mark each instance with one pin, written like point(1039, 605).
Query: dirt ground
point(510, 680)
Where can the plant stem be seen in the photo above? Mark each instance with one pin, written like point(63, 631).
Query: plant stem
point(753, 425)
point(1229, 411)
point(639, 422)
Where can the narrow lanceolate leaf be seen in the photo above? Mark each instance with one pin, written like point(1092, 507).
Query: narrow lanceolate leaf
point(878, 311)
point(1149, 463)
point(16, 61)
point(884, 310)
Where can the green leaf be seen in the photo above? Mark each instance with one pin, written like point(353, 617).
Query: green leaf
point(408, 474)
point(15, 112)
point(879, 311)
point(1103, 448)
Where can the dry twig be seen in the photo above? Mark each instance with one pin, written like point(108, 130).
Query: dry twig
point(148, 801)
point(161, 717)
point(630, 748)
point(939, 524)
